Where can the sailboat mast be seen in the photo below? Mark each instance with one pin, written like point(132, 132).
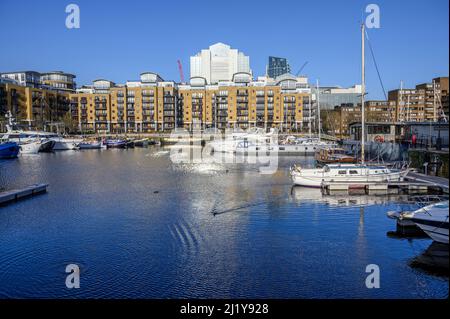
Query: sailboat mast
point(318, 105)
point(363, 92)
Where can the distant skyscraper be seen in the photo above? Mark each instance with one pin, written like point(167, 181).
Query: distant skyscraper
point(219, 63)
point(277, 67)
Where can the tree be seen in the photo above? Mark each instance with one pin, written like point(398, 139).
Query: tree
point(71, 126)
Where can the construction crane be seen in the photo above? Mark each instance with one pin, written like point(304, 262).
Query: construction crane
point(180, 69)
point(301, 69)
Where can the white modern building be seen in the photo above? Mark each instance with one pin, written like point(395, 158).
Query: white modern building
point(24, 78)
point(219, 63)
point(331, 96)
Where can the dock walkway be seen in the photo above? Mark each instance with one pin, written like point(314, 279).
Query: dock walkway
point(14, 195)
point(427, 179)
point(414, 183)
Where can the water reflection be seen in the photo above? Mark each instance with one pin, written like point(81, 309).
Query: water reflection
point(307, 194)
point(434, 260)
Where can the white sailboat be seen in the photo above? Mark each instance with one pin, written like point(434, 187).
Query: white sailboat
point(348, 173)
point(345, 173)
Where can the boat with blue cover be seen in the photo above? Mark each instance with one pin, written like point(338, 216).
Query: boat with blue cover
point(9, 150)
point(116, 144)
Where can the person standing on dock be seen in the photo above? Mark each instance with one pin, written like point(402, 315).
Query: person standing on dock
point(414, 140)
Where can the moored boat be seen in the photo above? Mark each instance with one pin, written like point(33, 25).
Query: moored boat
point(344, 173)
point(9, 150)
point(47, 145)
point(30, 147)
point(90, 145)
point(64, 144)
point(24, 136)
point(243, 141)
point(116, 144)
point(433, 220)
point(141, 143)
point(331, 155)
point(349, 173)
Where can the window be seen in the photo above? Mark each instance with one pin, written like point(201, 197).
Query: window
point(353, 172)
point(342, 172)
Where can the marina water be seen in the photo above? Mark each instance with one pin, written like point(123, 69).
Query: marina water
point(140, 226)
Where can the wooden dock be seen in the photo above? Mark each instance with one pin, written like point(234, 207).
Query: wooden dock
point(414, 183)
point(430, 180)
point(14, 195)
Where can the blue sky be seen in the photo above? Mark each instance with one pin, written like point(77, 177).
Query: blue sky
point(120, 39)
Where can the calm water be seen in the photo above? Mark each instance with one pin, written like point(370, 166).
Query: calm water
point(140, 226)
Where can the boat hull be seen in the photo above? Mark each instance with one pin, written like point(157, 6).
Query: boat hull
point(297, 149)
point(47, 146)
point(9, 150)
point(65, 146)
point(90, 146)
point(116, 144)
point(283, 150)
point(141, 143)
point(30, 148)
point(437, 230)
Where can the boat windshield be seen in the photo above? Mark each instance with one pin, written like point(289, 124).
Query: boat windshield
point(443, 205)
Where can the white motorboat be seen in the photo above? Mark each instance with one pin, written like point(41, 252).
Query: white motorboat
point(432, 219)
point(302, 146)
point(63, 144)
point(59, 143)
point(24, 136)
point(29, 140)
point(225, 146)
point(345, 173)
point(30, 147)
point(241, 141)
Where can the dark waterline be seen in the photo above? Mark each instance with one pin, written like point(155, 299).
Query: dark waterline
point(140, 226)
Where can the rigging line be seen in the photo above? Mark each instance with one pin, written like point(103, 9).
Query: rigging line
point(376, 65)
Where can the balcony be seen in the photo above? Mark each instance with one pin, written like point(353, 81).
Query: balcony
point(148, 101)
point(148, 112)
point(242, 119)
